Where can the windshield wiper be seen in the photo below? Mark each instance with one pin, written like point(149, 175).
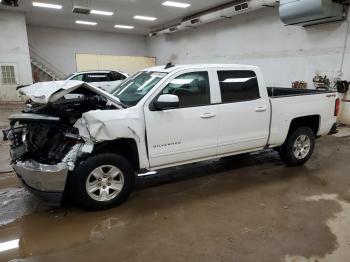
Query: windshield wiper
point(121, 103)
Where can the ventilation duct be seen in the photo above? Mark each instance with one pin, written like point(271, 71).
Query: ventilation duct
point(81, 10)
point(227, 11)
point(310, 12)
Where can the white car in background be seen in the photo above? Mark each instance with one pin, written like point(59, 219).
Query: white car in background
point(104, 79)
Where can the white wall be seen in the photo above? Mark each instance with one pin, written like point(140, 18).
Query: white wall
point(14, 50)
point(59, 46)
point(285, 53)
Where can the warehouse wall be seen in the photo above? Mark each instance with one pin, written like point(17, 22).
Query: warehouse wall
point(14, 51)
point(59, 46)
point(285, 54)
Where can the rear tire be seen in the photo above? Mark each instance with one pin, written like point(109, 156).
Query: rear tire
point(298, 147)
point(102, 181)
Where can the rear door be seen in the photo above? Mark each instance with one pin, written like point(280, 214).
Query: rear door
point(186, 133)
point(244, 113)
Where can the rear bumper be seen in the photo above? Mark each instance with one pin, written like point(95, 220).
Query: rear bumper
point(47, 182)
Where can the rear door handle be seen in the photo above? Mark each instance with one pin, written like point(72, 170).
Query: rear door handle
point(207, 115)
point(261, 109)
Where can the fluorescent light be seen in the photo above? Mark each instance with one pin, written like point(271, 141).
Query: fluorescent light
point(124, 26)
point(85, 22)
point(176, 4)
point(148, 18)
point(46, 5)
point(98, 12)
point(4, 246)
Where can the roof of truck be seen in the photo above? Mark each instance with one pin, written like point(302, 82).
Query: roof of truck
point(165, 69)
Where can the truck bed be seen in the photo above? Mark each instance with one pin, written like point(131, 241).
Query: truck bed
point(292, 103)
point(282, 91)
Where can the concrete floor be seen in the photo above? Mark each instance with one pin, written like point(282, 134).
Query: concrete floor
point(249, 208)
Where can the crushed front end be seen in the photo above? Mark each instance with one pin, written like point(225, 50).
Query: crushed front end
point(32, 161)
point(45, 145)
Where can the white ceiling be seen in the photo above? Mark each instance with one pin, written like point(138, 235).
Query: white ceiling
point(124, 11)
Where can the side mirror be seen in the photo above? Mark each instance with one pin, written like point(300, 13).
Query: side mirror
point(165, 102)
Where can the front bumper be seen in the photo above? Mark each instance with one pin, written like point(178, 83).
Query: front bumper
point(47, 182)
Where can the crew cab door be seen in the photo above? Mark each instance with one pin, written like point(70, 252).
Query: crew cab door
point(244, 112)
point(188, 132)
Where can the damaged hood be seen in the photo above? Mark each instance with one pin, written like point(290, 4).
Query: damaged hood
point(48, 92)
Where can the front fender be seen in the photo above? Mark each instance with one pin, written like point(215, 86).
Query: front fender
point(107, 125)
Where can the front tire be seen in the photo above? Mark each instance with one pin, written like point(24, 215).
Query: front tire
point(103, 181)
point(298, 147)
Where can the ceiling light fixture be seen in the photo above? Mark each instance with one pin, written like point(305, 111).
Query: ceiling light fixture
point(176, 4)
point(85, 22)
point(124, 26)
point(147, 18)
point(98, 12)
point(46, 5)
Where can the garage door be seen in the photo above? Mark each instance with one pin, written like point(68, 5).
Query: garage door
point(129, 64)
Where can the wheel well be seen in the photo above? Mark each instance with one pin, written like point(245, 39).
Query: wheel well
point(124, 146)
point(310, 121)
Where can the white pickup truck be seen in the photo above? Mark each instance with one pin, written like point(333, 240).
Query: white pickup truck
point(93, 145)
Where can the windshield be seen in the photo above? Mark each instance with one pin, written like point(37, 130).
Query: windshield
point(68, 77)
point(134, 88)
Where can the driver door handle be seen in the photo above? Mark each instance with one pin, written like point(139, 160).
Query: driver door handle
point(207, 115)
point(261, 109)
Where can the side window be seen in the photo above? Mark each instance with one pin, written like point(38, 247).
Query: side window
point(115, 76)
point(192, 89)
point(78, 77)
point(238, 86)
point(97, 77)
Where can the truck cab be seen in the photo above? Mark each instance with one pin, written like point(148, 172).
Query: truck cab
point(221, 110)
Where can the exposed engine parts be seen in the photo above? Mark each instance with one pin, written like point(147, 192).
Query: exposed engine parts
point(45, 133)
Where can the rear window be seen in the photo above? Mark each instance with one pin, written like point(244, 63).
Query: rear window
point(238, 86)
point(115, 76)
point(96, 77)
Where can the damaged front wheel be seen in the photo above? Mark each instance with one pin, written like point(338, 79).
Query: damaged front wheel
point(103, 181)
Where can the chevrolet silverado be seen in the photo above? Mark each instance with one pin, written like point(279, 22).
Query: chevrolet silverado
point(75, 137)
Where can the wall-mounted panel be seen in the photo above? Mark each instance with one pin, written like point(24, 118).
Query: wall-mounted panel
point(128, 64)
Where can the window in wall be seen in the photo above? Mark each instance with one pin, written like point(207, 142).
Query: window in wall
point(8, 76)
point(192, 89)
point(238, 86)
